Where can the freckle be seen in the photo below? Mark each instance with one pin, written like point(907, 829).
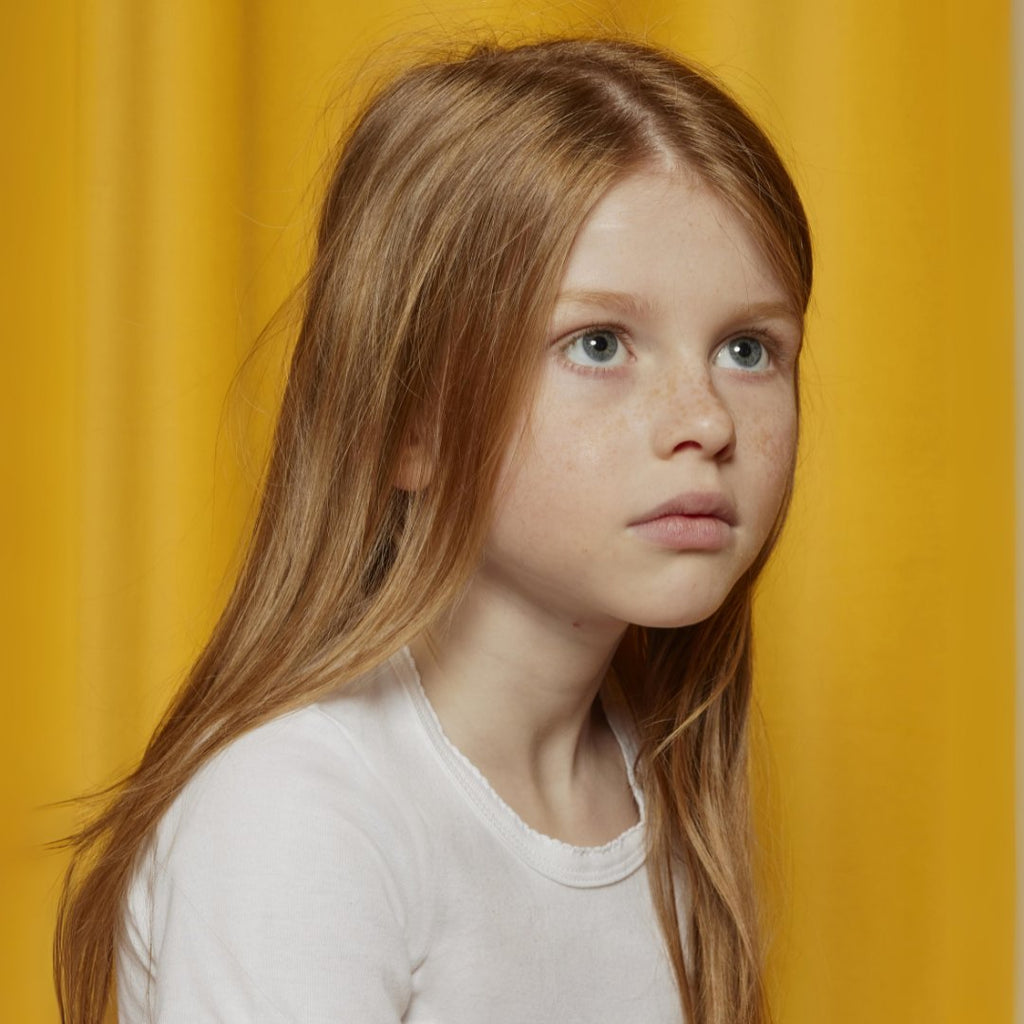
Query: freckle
point(769, 444)
point(575, 625)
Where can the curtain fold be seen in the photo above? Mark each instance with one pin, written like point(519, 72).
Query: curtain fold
point(160, 172)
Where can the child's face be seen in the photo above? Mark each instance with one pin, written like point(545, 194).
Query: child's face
point(668, 386)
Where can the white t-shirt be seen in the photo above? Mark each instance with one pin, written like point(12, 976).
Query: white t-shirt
point(346, 864)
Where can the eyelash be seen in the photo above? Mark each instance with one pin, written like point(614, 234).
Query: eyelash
point(766, 339)
point(621, 335)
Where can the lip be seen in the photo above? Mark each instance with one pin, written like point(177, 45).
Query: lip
point(699, 504)
point(695, 521)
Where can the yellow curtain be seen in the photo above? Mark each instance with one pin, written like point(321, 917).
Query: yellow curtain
point(156, 203)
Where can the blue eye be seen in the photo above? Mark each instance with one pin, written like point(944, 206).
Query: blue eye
point(599, 347)
point(745, 352)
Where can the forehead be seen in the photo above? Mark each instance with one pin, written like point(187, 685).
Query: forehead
point(661, 235)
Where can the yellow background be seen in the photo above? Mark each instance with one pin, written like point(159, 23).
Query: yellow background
point(156, 168)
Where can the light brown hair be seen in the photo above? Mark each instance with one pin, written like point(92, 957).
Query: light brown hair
point(443, 235)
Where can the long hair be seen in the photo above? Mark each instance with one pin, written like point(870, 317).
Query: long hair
point(445, 228)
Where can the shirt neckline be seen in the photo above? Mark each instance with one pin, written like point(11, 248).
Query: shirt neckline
point(577, 866)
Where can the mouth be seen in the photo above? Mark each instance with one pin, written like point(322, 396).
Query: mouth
point(694, 505)
point(697, 521)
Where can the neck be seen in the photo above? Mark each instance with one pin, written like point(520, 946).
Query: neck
point(515, 690)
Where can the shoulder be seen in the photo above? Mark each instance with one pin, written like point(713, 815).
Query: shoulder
point(314, 782)
point(291, 863)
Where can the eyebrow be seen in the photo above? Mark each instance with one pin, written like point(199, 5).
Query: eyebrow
point(623, 302)
point(768, 310)
point(635, 306)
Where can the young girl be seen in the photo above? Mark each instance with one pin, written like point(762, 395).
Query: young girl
point(468, 743)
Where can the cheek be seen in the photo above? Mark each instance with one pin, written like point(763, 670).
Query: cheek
point(553, 472)
point(773, 441)
point(572, 443)
point(772, 449)
point(562, 474)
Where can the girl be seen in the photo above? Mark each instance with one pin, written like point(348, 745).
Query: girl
point(468, 743)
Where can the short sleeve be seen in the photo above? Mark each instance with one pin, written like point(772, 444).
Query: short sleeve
point(280, 888)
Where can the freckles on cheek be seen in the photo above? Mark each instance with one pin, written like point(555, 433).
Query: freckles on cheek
point(774, 446)
point(770, 443)
point(772, 434)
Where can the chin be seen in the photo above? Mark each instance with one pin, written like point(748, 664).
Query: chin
point(653, 622)
point(673, 612)
point(676, 618)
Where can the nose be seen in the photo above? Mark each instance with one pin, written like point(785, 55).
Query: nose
point(690, 413)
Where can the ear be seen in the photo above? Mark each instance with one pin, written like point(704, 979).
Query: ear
point(415, 463)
